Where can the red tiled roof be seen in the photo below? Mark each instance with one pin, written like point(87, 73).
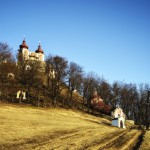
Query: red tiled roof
point(24, 45)
point(39, 50)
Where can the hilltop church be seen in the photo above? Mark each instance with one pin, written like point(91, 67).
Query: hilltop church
point(26, 54)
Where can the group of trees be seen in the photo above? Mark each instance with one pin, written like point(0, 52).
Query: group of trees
point(63, 83)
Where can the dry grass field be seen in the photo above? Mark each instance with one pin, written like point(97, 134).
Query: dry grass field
point(27, 128)
point(146, 143)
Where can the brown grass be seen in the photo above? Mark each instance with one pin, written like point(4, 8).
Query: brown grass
point(35, 128)
point(146, 143)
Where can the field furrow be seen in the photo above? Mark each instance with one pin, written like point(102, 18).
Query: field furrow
point(24, 128)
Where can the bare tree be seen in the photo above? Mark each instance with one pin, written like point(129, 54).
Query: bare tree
point(6, 54)
point(89, 85)
point(28, 75)
point(115, 94)
point(147, 115)
point(75, 75)
point(56, 72)
point(105, 90)
point(6, 68)
point(143, 112)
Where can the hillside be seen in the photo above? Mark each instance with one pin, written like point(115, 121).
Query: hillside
point(24, 127)
point(146, 142)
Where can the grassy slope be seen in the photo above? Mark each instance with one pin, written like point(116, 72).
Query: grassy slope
point(35, 128)
point(146, 143)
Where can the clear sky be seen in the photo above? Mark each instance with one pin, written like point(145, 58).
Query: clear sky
point(108, 37)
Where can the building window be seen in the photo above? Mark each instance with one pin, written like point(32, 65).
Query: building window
point(28, 67)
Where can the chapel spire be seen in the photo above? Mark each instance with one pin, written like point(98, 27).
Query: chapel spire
point(24, 45)
point(39, 50)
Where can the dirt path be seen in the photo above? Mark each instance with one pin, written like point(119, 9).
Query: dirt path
point(80, 139)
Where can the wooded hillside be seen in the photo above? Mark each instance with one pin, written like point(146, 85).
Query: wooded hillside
point(59, 83)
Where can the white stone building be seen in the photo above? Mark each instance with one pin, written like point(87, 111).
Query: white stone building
point(26, 54)
point(118, 118)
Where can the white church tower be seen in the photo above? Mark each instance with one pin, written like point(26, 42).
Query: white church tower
point(25, 54)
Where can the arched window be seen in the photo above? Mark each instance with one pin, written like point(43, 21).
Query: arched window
point(28, 67)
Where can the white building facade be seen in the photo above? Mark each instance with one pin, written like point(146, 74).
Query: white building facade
point(118, 118)
point(26, 54)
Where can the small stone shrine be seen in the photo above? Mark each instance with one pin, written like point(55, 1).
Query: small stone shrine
point(118, 118)
point(21, 95)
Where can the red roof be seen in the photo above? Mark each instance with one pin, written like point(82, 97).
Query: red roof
point(24, 45)
point(39, 50)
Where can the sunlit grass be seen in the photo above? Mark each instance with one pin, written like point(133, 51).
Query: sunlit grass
point(146, 141)
point(17, 124)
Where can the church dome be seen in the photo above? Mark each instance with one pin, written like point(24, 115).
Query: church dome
point(24, 45)
point(39, 50)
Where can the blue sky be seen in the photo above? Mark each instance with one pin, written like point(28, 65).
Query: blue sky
point(108, 37)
